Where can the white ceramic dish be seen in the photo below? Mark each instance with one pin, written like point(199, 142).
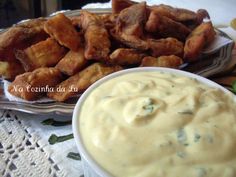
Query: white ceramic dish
point(92, 169)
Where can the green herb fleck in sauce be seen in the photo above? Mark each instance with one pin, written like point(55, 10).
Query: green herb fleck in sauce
point(148, 108)
point(186, 112)
point(182, 137)
point(197, 137)
point(209, 139)
point(181, 154)
point(201, 172)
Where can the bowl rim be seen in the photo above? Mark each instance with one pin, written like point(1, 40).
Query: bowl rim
point(75, 118)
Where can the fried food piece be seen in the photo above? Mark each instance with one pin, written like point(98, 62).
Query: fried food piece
point(37, 24)
point(8, 70)
point(130, 41)
point(33, 85)
point(72, 62)
point(167, 46)
point(131, 20)
point(97, 43)
point(176, 14)
point(197, 40)
point(43, 54)
point(129, 27)
point(81, 81)
point(202, 14)
point(170, 61)
point(75, 20)
point(109, 20)
point(62, 29)
point(119, 5)
point(17, 37)
point(166, 27)
point(124, 56)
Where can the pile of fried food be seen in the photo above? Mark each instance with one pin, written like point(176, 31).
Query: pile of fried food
point(68, 54)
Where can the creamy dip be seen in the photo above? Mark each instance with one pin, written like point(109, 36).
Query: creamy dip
point(154, 124)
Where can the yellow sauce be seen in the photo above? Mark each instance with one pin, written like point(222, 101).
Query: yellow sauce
point(153, 124)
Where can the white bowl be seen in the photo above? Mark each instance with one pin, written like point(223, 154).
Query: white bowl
point(93, 169)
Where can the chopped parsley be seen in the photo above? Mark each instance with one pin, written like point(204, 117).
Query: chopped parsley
point(182, 137)
point(197, 137)
point(186, 112)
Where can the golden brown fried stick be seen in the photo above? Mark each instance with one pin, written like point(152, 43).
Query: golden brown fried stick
point(166, 27)
point(72, 62)
point(177, 14)
point(109, 20)
point(43, 54)
point(17, 37)
point(129, 27)
point(62, 29)
point(170, 61)
point(124, 56)
point(81, 81)
point(167, 46)
point(75, 20)
point(33, 85)
point(37, 24)
point(197, 40)
point(131, 20)
point(130, 41)
point(97, 43)
point(119, 5)
point(201, 15)
point(8, 70)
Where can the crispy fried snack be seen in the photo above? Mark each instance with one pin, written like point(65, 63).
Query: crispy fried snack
point(119, 5)
point(37, 24)
point(62, 29)
point(43, 54)
point(129, 27)
point(17, 37)
point(124, 56)
point(33, 85)
point(72, 62)
point(176, 14)
point(167, 46)
point(130, 41)
point(97, 43)
point(131, 20)
point(75, 20)
point(166, 27)
point(109, 20)
point(8, 70)
point(170, 61)
point(201, 15)
point(197, 40)
point(81, 81)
